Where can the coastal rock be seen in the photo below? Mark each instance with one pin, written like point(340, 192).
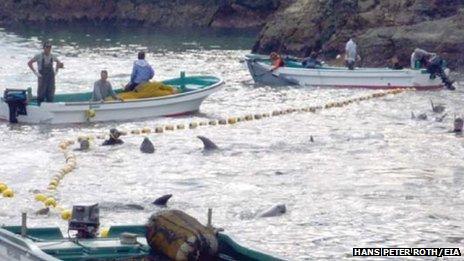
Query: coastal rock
point(162, 13)
point(381, 29)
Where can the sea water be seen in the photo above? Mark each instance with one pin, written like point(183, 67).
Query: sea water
point(372, 177)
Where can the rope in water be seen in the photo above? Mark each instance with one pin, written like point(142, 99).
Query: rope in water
point(50, 201)
point(256, 116)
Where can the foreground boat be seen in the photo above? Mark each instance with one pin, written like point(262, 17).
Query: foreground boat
point(76, 108)
point(48, 244)
point(293, 73)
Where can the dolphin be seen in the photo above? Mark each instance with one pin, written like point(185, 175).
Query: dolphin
point(207, 143)
point(275, 211)
point(114, 138)
point(458, 125)
point(43, 211)
point(421, 116)
point(440, 119)
point(119, 206)
point(147, 146)
point(437, 109)
point(161, 201)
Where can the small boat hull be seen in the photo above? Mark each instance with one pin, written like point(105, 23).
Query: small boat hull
point(77, 112)
point(373, 78)
point(48, 244)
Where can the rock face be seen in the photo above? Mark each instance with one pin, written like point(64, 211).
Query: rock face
point(164, 13)
point(381, 29)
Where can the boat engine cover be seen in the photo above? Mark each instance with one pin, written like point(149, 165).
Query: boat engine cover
point(180, 236)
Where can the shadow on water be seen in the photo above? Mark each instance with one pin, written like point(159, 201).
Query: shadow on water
point(153, 39)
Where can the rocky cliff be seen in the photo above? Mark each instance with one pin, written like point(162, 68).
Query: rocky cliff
point(381, 28)
point(163, 13)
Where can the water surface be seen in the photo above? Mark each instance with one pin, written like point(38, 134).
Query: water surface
point(372, 177)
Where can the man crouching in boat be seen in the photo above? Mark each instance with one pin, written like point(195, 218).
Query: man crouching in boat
point(102, 89)
point(45, 74)
point(141, 72)
point(276, 60)
point(311, 62)
point(434, 64)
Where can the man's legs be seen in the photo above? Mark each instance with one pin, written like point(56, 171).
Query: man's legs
point(50, 90)
point(41, 89)
point(350, 64)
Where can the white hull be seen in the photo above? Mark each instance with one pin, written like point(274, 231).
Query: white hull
point(75, 112)
point(341, 77)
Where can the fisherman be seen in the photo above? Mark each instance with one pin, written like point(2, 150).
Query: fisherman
point(351, 54)
point(45, 73)
point(435, 67)
point(102, 89)
point(419, 58)
point(395, 63)
point(311, 62)
point(141, 72)
point(277, 61)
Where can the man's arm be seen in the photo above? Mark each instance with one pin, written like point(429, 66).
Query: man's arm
point(113, 94)
point(59, 64)
point(152, 72)
point(134, 71)
point(413, 60)
point(31, 66)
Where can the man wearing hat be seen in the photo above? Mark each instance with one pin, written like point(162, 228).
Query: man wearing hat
point(45, 73)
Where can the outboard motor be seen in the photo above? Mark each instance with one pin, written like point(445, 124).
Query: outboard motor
point(17, 102)
point(436, 67)
point(85, 220)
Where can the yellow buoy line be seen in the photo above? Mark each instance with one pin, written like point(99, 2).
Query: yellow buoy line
point(255, 116)
point(50, 201)
point(47, 198)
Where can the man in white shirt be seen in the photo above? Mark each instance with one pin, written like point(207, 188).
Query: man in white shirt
point(45, 73)
point(350, 54)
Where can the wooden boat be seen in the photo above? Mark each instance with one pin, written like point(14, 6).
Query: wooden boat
point(77, 108)
point(48, 244)
point(293, 73)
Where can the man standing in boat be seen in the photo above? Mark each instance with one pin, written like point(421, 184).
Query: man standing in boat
point(46, 73)
point(350, 54)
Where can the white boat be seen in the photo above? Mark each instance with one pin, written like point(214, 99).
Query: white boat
point(76, 107)
point(375, 78)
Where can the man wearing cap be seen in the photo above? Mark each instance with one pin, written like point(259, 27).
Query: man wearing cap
point(45, 73)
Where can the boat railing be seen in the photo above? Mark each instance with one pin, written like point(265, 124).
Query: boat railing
point(22, 247)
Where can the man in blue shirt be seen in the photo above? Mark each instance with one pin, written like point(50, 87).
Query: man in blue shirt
point(141, 72)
